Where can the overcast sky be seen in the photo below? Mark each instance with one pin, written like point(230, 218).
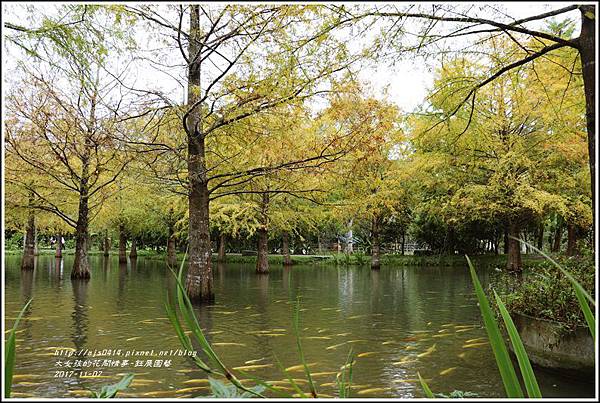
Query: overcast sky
point(407, 82)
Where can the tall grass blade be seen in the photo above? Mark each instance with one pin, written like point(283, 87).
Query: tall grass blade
point(344, 384)
point(187, 311)
point(425, 387)
point(587, 313)
point(313, 389)
point(531, 385)
point(11, 352)
point(507, 371)
point(289, 378)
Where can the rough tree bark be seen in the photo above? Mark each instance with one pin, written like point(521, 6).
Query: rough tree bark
point(285, 248)
point(199, 275)
point(586, 46)
point(262, 258)
point(122, 244)
point(133, 251)
point(28, 261)
point(81, 265)
point(375, 249)
point(505, 250)
point(222, 244)
point(513, 261)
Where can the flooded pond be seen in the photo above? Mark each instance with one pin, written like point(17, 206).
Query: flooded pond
point(397, 321)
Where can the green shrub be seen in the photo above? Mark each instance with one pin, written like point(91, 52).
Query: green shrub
point(545, 292)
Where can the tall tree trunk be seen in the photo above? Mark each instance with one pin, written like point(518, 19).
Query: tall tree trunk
point(571, 239)
point(199, 275)
point(122, 244)
point(513, 261)
point(58, 253)
point(106, 244)
point(262, 258)
point(540, 236)
point(375, 255)
point(319, 244)
point(81, 265)
point(506, 240)
point(587, 52)
point(28, 262)
point(285, 248)
point(133, 251)
point(171, 255)
point(557, 235)
point(222, 243)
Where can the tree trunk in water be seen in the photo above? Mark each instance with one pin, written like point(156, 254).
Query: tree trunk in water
point(375, 257)
point(513, 261)
point(262, 258)
point(81, 265)
point(222, 242)
point(285, 248)
point(557, 236)
point(106, 244)
point(587, 53)
point(122, 244)
point(171, 256)
point(58, 253)
point(133, 252)
point(199, 275)
point(506, 241)
point(571, 240)
point(28, 261)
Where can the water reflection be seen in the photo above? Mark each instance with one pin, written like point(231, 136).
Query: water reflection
point(374, 313)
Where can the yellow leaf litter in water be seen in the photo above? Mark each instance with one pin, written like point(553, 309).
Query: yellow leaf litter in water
point(427, 352)
point(477, 340)
point(252, 367)
point(334, 346)
point(324, 373)
point(475, 345)
point(366, 354)
point(133, 338)
point(300, 367)
point(255, 361)
point(229, 344)
point(447, 371)
point(196, 381)
point(372, 390)
point(192, 389)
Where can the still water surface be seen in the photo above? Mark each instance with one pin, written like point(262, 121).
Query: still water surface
point(399, 321)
